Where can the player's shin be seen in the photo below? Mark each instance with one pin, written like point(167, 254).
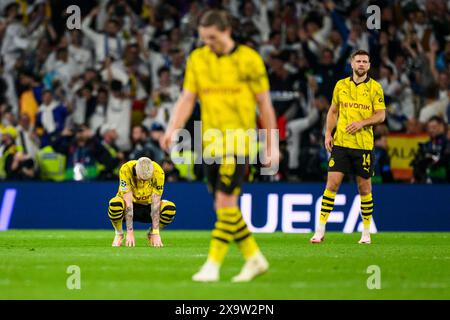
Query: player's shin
point(325, 210)
point(366, 210)
point(327, 205)
point(231, 218)
point(220, 242)
point(256, 263)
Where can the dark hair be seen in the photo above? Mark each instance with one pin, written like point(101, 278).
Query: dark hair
point(438, 119)
point(215, 17)
point(115, 21)
point(102, 89)
point(143, 128)
point(388, 67)
point(327, 50)
point(163, 69)
point(274, 33)
point(116, 85)
point(88, 86)
point(61, 50)
point(360, 53)
point(432, 92)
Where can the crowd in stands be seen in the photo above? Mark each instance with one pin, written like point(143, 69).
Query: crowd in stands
point(76, 104)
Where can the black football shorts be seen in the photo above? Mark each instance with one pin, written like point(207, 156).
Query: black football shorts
point(351, 161)
point(226, 177)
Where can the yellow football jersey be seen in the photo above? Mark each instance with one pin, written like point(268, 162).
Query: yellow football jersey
point(226, 86)
point(356, 103)
point(142, 190)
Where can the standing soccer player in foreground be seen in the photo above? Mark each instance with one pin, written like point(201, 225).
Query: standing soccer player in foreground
point(357, 105)
point(230, 80)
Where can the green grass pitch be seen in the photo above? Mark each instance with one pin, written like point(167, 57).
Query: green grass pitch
point(33, 265)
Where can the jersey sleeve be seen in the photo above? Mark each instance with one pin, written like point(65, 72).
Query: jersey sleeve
point(259, 81)
point(190, 81)
point(158, 182)
point(335, 99)
point(124, 180)
point(378, 99)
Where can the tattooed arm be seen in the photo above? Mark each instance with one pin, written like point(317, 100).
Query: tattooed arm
point(128, 197)
point(155, 238)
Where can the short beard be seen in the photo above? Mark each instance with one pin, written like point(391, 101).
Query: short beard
point(360, 73)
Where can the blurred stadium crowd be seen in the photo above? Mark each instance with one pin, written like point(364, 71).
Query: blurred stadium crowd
point(75, 104)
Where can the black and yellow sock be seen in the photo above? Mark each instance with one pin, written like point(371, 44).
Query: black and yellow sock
point(222, 235)
point(231, 226)
point(116, 210)
point(366, 210)
point(167, 213)
point(327, 205)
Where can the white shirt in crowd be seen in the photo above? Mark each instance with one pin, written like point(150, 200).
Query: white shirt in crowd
point(118, 117)
point(104, 45)
point(16, 37)
point(434, 108)
point(98, 118)
point(25, 139)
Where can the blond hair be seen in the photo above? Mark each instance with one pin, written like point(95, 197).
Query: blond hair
point(144, 168)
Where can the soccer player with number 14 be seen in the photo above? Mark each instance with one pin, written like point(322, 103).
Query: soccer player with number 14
point(357, 105)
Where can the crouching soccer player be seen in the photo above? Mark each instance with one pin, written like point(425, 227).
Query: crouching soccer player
point(139, 199)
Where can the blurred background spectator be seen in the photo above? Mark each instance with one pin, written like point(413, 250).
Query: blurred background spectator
point(103, 94)
point(432, 162)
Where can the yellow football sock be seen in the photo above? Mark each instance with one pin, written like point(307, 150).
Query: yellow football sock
point(248, 246)
point(231, 226)
point(366, 210)
point(218, 250)
point(116, 211)
point(327, 205)
point(222, 235)
point(243, 237)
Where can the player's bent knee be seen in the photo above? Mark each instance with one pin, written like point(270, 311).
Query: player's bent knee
point(116, 208)
point(167, 213)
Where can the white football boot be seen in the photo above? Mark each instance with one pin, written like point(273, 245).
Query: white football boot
point(252, 268)
point(319, 235)
point(209, 272)
point(365, 237)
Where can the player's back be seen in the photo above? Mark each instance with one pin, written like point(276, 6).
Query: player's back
point(226, 86)
point(142, 190)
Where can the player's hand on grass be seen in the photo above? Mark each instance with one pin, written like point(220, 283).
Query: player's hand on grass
point(130, 242)
point(354, 127)
point(155, 240)
point(328, 142)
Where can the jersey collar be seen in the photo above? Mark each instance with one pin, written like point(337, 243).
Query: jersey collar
point(356, 84)
point(233, 50)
